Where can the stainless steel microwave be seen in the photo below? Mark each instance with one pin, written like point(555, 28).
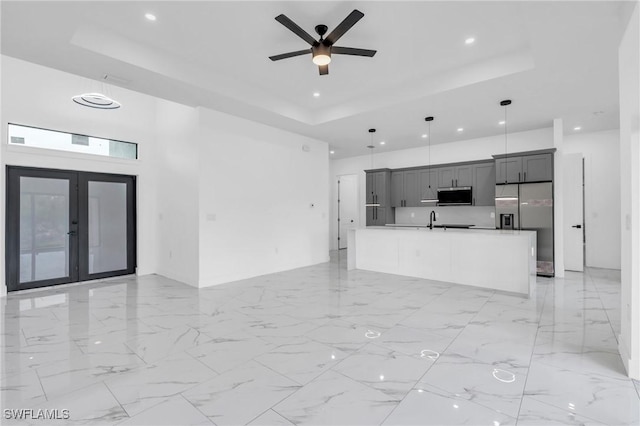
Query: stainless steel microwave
point(457, 196)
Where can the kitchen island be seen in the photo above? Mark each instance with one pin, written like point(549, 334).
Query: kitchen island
point(490, 258)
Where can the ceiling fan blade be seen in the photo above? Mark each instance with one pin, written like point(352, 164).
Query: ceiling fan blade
point(324, 69)
point(290, 54)
point(295, 29)
point(352, 51)
point(343, 27)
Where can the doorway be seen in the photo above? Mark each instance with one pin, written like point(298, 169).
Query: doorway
point(574, 230)
point(347, 207)
point(66, 226)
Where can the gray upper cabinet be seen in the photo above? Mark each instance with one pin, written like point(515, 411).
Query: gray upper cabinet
point(464, 175)
point(525, 168)
point(537, 168)
point(378, 191)
point(484, 184)
point(509, 170)
point(446, 177)
point(455, 176)
point(405, 190)
point(428, 184)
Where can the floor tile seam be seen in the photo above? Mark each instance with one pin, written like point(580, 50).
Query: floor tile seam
point(117, 400)
point(533, 348)
point(196, 408)
point(200, 362)
point(285, 376)
point(397, 402)
point(41, 387)
point(606, 311)
point(563, 409)
point(613, 375)
point(636, 385)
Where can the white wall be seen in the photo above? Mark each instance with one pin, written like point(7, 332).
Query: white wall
point(193, 162)
point(41, 97)
point(467, 150)
point(601, 153)
point(264, 200)
point(177, 198)
point(629, 80)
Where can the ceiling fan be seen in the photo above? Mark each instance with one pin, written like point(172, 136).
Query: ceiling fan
point(321, 50)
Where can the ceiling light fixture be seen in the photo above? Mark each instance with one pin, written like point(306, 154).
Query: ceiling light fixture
point(502, 196)
point(371, 146)
point(382, 142)
point(150, 16)
point(96, 100)
point(470, 40)
point(321, 54)
point(424, 136)
point(460, 129)
point(501, 123)
point(332, 152)
point(429, 196)
point(577, 128)
point(316, 94)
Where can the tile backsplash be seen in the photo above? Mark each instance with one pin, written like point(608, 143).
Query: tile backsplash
point(467, 215)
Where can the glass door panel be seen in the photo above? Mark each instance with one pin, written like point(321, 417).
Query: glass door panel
point(67, 226)
point(107, 226)
point(44, 228)
point(41, 220)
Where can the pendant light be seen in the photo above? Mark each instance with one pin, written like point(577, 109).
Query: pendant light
point(430, 196)
point(371, 147)
point(96, 100)
point(501, 196)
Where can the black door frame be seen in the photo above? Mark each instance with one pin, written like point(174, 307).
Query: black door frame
point(78, 225)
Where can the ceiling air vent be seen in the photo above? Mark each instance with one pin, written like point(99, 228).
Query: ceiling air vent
point(17, 140)
point(80, 140)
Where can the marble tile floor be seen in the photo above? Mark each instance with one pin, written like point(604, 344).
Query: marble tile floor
point(318, 345)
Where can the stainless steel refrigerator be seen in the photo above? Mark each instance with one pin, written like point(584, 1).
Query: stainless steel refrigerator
point(529, 206)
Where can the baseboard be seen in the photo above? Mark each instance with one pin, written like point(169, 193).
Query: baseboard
point(632, 366)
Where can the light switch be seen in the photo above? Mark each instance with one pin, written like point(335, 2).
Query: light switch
point(211, 217)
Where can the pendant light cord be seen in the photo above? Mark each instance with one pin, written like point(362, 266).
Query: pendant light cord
point(429, 145)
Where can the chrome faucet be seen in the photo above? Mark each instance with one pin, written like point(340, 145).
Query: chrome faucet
point(432, 218)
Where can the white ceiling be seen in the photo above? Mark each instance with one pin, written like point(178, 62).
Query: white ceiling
point(553, 59)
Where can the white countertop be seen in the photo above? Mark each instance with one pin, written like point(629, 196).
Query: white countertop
point(474, 230)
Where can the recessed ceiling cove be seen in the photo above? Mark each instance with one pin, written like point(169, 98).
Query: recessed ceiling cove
point(557, 59)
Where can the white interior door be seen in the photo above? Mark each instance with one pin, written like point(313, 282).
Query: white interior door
point(573, 212)
point(347, 206)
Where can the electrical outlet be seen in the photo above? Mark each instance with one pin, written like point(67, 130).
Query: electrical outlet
point(413, 214)
point(493, 215)
point(437, 215)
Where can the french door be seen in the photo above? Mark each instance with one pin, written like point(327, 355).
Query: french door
point(66, 226)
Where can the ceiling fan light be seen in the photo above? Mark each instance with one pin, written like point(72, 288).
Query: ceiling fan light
point(321, 54)
point(321, 59)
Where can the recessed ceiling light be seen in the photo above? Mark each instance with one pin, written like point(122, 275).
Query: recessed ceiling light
point(460, 129)
point(577, 128)
point(316, 94)
point(470, 40)
point(501, 123)
point(382, 142)
point(150, 16)
point(424, 136)
point(332, 152)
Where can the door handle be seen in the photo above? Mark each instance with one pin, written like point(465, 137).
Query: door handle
point(72, 233)
point(577, 226)
point(525, 176)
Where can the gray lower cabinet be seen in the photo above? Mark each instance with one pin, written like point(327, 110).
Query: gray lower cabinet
point(524, 168)
point(484, 184)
